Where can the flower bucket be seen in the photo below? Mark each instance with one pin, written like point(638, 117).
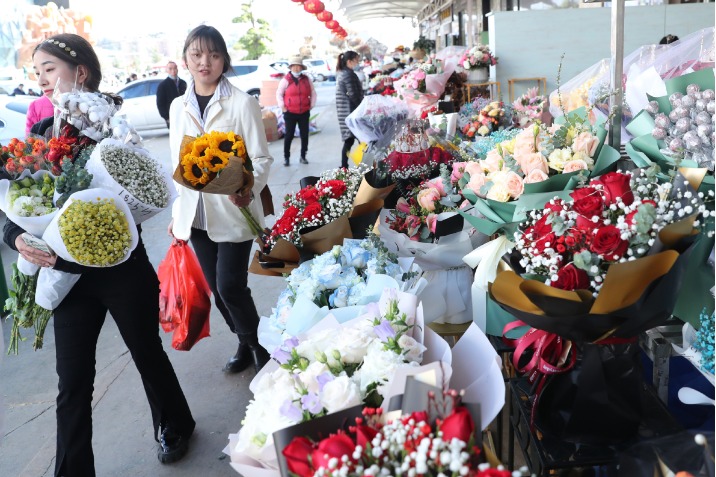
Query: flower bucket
point(478, 75)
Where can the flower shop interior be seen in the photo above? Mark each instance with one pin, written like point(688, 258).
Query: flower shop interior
point(515, 275)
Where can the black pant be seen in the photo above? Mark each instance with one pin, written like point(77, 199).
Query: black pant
point(225, 266)
point(130, 292)
point(291, 120)
point(347, 145)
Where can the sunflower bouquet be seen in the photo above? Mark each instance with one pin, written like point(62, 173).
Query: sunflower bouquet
point(215, 162)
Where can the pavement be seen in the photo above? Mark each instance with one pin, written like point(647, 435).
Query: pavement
point(123, 439)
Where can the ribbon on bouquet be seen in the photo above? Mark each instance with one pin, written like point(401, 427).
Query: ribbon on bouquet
point(485, 260)
point(551, 354)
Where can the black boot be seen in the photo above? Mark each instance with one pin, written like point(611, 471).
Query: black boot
point(260, 356)
point(240, 361)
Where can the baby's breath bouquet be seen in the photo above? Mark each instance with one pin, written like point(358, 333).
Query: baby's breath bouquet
point(133, 175)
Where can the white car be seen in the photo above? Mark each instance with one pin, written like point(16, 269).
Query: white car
point(319, 69)
point(140, 105)
point(249, 74)
point(13, 112)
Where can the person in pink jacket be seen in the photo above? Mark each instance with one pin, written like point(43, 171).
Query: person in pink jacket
point(39, 109)
point(296, 96)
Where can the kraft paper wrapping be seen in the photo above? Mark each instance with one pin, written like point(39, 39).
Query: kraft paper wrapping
point(283, 259)
point(230, 180)
point(636, 295)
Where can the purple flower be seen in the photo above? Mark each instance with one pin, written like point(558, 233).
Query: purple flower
point(311, 403)
point(324, 378)
point(281, 355)
point(384, 331)
point(290, 343)
point(289, 410)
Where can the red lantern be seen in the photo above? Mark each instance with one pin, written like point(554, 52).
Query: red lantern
point(313, 6)
point(324, 16)
point(332, 24)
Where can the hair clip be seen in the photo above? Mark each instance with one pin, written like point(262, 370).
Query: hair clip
point(62, 46)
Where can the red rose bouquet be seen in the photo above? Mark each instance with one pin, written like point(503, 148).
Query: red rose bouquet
point(442, 439)
point(328, 199)
point(599, 268)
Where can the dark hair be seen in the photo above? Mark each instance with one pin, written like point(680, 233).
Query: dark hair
point(209, 38)
point(668, 39)
point(344, 58)
point(76, 51)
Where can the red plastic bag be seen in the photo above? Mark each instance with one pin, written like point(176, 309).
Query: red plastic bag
point(184, 297)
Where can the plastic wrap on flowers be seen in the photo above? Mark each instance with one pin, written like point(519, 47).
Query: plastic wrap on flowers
point(447, 296)
point(683, 454)
point(574, 93)
point(376, 118)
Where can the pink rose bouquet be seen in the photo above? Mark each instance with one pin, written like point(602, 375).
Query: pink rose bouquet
point(478, 56)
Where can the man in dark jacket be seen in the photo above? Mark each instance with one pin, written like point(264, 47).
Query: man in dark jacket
point(170, 88)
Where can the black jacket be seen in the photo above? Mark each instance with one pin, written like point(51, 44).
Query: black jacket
point(166, 92)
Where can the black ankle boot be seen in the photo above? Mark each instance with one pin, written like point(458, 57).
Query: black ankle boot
point(259, 355)
point(240, 361)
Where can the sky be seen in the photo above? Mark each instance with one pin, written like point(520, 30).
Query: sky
point(289, 21)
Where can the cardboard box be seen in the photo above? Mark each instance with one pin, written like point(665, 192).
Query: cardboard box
point(270, 126)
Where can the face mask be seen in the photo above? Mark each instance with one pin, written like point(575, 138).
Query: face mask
point(296, 74)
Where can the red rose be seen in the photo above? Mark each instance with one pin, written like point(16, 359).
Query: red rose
point(571, 278)
point(312, 210)
point(554, 207)
point(336, 446)
point(308, 194)
point(586, 225)
point(337, 188)
point(493, 473)
point(420, 416)
point(630, 216)
point(459, 425)
point(608, 243)
point(364, 435)
point(587, 202)
point(286, 222)
point(616, 185)
point(296, 454)
point(542, 234)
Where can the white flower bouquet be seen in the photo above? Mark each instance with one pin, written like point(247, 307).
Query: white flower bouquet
point(133, 175)
point(331, 368)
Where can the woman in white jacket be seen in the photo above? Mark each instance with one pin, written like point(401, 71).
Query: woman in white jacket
point(219, 233)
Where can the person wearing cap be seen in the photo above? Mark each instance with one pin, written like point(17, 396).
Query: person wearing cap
point(296, 96)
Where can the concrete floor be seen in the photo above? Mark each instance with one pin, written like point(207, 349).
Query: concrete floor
point(123, 441)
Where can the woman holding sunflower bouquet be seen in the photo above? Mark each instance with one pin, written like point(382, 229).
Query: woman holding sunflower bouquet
point(221, 225)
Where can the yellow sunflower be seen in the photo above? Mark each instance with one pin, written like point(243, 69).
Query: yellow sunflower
point(193, 172)
point(214, 160)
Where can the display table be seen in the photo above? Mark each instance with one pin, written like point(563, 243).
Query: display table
point(546, 455)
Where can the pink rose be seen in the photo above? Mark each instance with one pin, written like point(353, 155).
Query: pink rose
point(437, 183)
point(420, 75)
point(477, 180)
point(585, 142)
point(514, 184)
point(575, 165)
point(493, 162)
point(534, 176)
point(458, 170)
point(402, 206)
point(473, 168)
point(532, 161)
point(428, 197)
point(431, 221)
point(524, 143)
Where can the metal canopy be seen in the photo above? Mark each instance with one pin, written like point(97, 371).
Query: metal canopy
point(356, 10)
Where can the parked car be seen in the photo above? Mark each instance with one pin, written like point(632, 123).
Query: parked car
point(319, 69)
point(249, 74)
point(140, 104)
point(13, 111)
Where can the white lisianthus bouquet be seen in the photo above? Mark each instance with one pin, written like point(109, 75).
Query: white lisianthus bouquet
point(331, 369)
